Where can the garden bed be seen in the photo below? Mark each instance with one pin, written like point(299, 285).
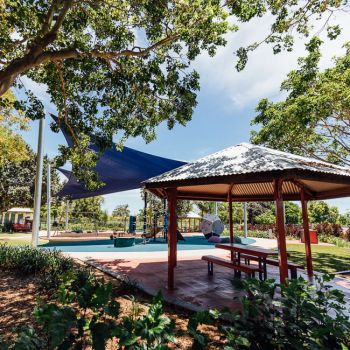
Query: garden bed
point(19, 295)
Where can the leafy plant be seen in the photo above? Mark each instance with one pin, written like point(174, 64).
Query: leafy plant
point(85, 314)
point(48, 265)
point(294, 316)
point(200, 339)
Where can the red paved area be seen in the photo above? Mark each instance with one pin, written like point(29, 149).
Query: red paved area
point(194, 288)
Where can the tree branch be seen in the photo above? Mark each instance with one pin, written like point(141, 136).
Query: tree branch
point(29, 61)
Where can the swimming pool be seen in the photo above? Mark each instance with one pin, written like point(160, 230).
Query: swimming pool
point(191, 243)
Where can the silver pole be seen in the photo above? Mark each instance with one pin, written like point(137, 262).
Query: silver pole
point(48, 188)
point(67, 208)
point(38, 184)
point(245, 220)
point(216, 208)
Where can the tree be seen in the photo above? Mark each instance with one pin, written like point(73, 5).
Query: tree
point(12, 147)
point(266, 218)
point(17, 182)
point(123, 67)
point(206, 207)
point(320, 212)
point(88, 208)
point(255, 209)
point(121, 210)
point(292, 213)
point(314, 117)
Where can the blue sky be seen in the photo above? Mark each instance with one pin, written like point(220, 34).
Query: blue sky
point(226, 104)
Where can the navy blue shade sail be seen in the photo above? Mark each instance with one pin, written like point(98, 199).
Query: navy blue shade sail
point(119, 170)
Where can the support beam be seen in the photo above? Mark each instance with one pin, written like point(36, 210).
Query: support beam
point(306, 235)
point(281, 233)
point(48, 190)
point(145, 212)
point(230, 220)
point(67, 213)
point(38, 184)
point(172, 237)
point(245, 220)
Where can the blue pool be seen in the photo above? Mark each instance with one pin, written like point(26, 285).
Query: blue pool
point(191, 243)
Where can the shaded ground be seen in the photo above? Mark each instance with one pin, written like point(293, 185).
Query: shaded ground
point(326, 258)
point(18, 296)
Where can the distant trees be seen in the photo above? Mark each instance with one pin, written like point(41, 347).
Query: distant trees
point(12, 146)
point(320, 211)
point(121, 210)
point(88, 208)
point(17, 182)
point(292, 213)
point(266, 218)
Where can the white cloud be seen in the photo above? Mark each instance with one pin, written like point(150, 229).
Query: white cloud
point(264, 72)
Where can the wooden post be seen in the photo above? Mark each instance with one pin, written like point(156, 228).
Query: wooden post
point(172, 238)
point(306, 234)
point(230, 221)
point(281, 233)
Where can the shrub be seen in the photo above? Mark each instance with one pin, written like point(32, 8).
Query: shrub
point(329, 229)
point(85, 314)
point(25, 260)
point(280, 317)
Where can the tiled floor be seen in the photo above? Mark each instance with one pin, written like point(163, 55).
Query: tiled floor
point(194, 288)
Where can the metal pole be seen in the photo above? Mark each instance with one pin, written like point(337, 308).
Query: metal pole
point(245, 220)
point(48, 189)
point(67, 208)
point(38, 184)
point(145, 214)
point(216, 208)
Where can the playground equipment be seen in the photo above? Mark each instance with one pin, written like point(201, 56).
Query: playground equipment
point(211, 225)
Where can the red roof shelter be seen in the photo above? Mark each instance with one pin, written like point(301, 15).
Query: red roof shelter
point(246, 173)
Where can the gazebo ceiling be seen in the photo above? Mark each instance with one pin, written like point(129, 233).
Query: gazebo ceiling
point(248, 172)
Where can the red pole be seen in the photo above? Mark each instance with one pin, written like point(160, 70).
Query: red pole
point(172, 239)
point(308, 253)
point(230, 221)
point(281, 233)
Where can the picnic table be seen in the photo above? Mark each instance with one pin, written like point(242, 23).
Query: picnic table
point(261, 254)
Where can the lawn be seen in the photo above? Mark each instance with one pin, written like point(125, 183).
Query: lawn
point(326, 258)
point(18, 238)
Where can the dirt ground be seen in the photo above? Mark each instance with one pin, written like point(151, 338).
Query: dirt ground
point(19, 295)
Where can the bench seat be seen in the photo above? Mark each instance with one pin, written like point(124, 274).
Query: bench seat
point(248, 269)
point(291, 266)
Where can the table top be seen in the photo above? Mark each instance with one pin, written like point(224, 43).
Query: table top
point(256, 251)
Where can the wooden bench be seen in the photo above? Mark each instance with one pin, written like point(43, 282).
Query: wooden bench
point(292, 267)
point(248, 269)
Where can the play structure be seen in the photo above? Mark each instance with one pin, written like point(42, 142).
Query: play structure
point(212, 227)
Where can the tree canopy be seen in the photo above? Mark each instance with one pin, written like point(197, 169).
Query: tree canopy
point(12, 147)
point(320, 212)
point(17, 182)
point(314, 117)
point(121, 210)
point(120, 68)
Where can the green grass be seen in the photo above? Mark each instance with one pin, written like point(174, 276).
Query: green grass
point(12, 235)
point(15, 239)
point(325, 258)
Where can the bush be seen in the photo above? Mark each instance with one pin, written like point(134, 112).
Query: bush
point(339, 242)
point(85, 315)
point(25, 260)
point(279, 317)
point(329, 229)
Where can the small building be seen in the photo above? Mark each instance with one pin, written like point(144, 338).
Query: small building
point(16, 215)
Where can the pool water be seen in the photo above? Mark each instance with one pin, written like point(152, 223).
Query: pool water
point(191, 243)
